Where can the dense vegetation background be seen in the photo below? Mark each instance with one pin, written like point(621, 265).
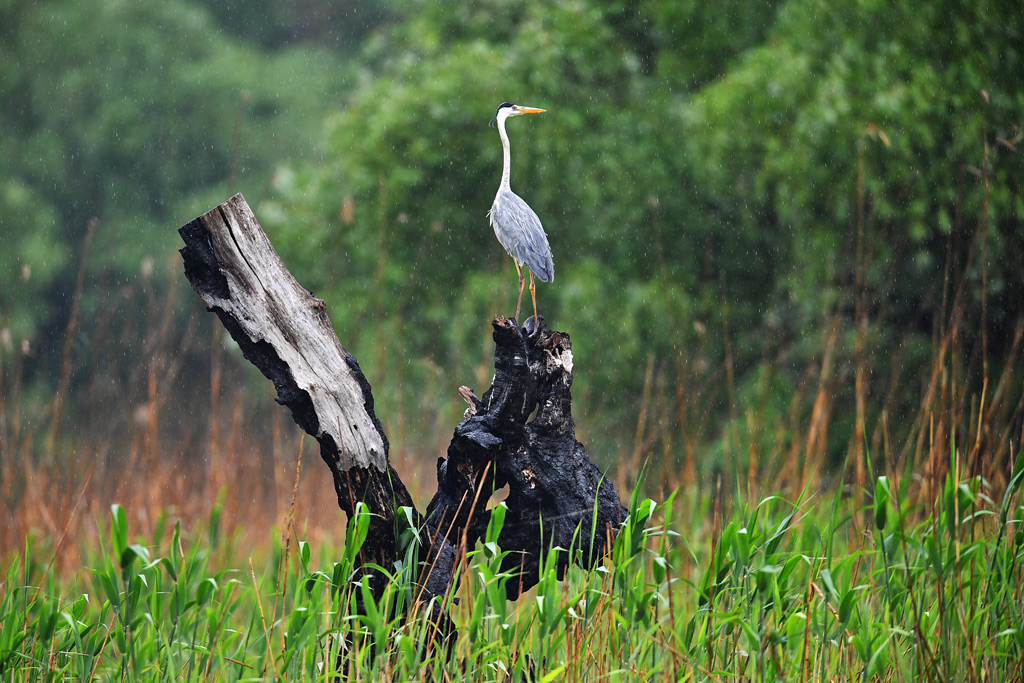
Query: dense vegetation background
point(788, 239)
point(784, 232)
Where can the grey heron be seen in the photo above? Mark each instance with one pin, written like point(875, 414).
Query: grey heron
point(515, 223)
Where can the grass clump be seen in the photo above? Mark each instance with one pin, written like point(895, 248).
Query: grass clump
point(889, 587)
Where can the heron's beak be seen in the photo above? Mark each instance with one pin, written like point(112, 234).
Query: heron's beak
point(531, 110)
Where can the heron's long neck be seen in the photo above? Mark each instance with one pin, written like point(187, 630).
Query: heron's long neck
point(506, 161)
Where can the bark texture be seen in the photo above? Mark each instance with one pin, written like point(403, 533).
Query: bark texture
point(284, 331)
point(520, 434)
point(557, 497)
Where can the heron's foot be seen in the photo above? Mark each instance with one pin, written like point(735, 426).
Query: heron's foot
point(533, 325)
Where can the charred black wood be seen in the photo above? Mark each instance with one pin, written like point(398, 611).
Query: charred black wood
point(557, 497)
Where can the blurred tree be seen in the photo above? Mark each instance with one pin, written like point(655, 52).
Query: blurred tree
point(695, 42)
point(30, 256)
point(902, 98)
point(698, 171)
point(395, 220)
point(725, 189)
point(107, 108)
point(340, 25)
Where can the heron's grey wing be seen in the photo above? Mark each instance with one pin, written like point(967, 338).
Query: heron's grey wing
point(521, 233)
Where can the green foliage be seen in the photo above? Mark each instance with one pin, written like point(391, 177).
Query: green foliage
point(725, 190)
point(30, 257)
point(784, 128)
point(785, 591)
point(867, 94)
point(399, 206)
point(698, 170)
point(127, 112)
point(696, 42)
point(274, 24)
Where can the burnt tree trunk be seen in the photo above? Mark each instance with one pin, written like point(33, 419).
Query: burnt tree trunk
point(553, 486)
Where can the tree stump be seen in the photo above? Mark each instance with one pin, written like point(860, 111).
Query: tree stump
point(553, 486)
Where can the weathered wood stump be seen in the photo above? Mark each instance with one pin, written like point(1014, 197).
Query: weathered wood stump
point(284, 331)
point(553, 486)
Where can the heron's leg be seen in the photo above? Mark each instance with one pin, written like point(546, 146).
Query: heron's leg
point(533, 294)
point(519, 303)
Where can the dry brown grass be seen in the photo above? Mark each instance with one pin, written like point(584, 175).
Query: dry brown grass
point(59, 499)
point(162, 430)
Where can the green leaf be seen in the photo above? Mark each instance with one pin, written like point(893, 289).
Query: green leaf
point(109, 584)
point(878, 661)
point(1013, 633)
point(764, 577)
point(168, 566)
point(132, 553)
point(358, 527)
point(881, 503)
point(496, 523)
point(848, 602)
point(830, 587)
point(552, 675)
point(931, 547)
point(118, 530)
point(205, 589)
point(659, 568)
point(773, 543)
point(741, 546)
point(1011, 488)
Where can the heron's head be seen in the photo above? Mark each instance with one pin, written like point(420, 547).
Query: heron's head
point(507, 109)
